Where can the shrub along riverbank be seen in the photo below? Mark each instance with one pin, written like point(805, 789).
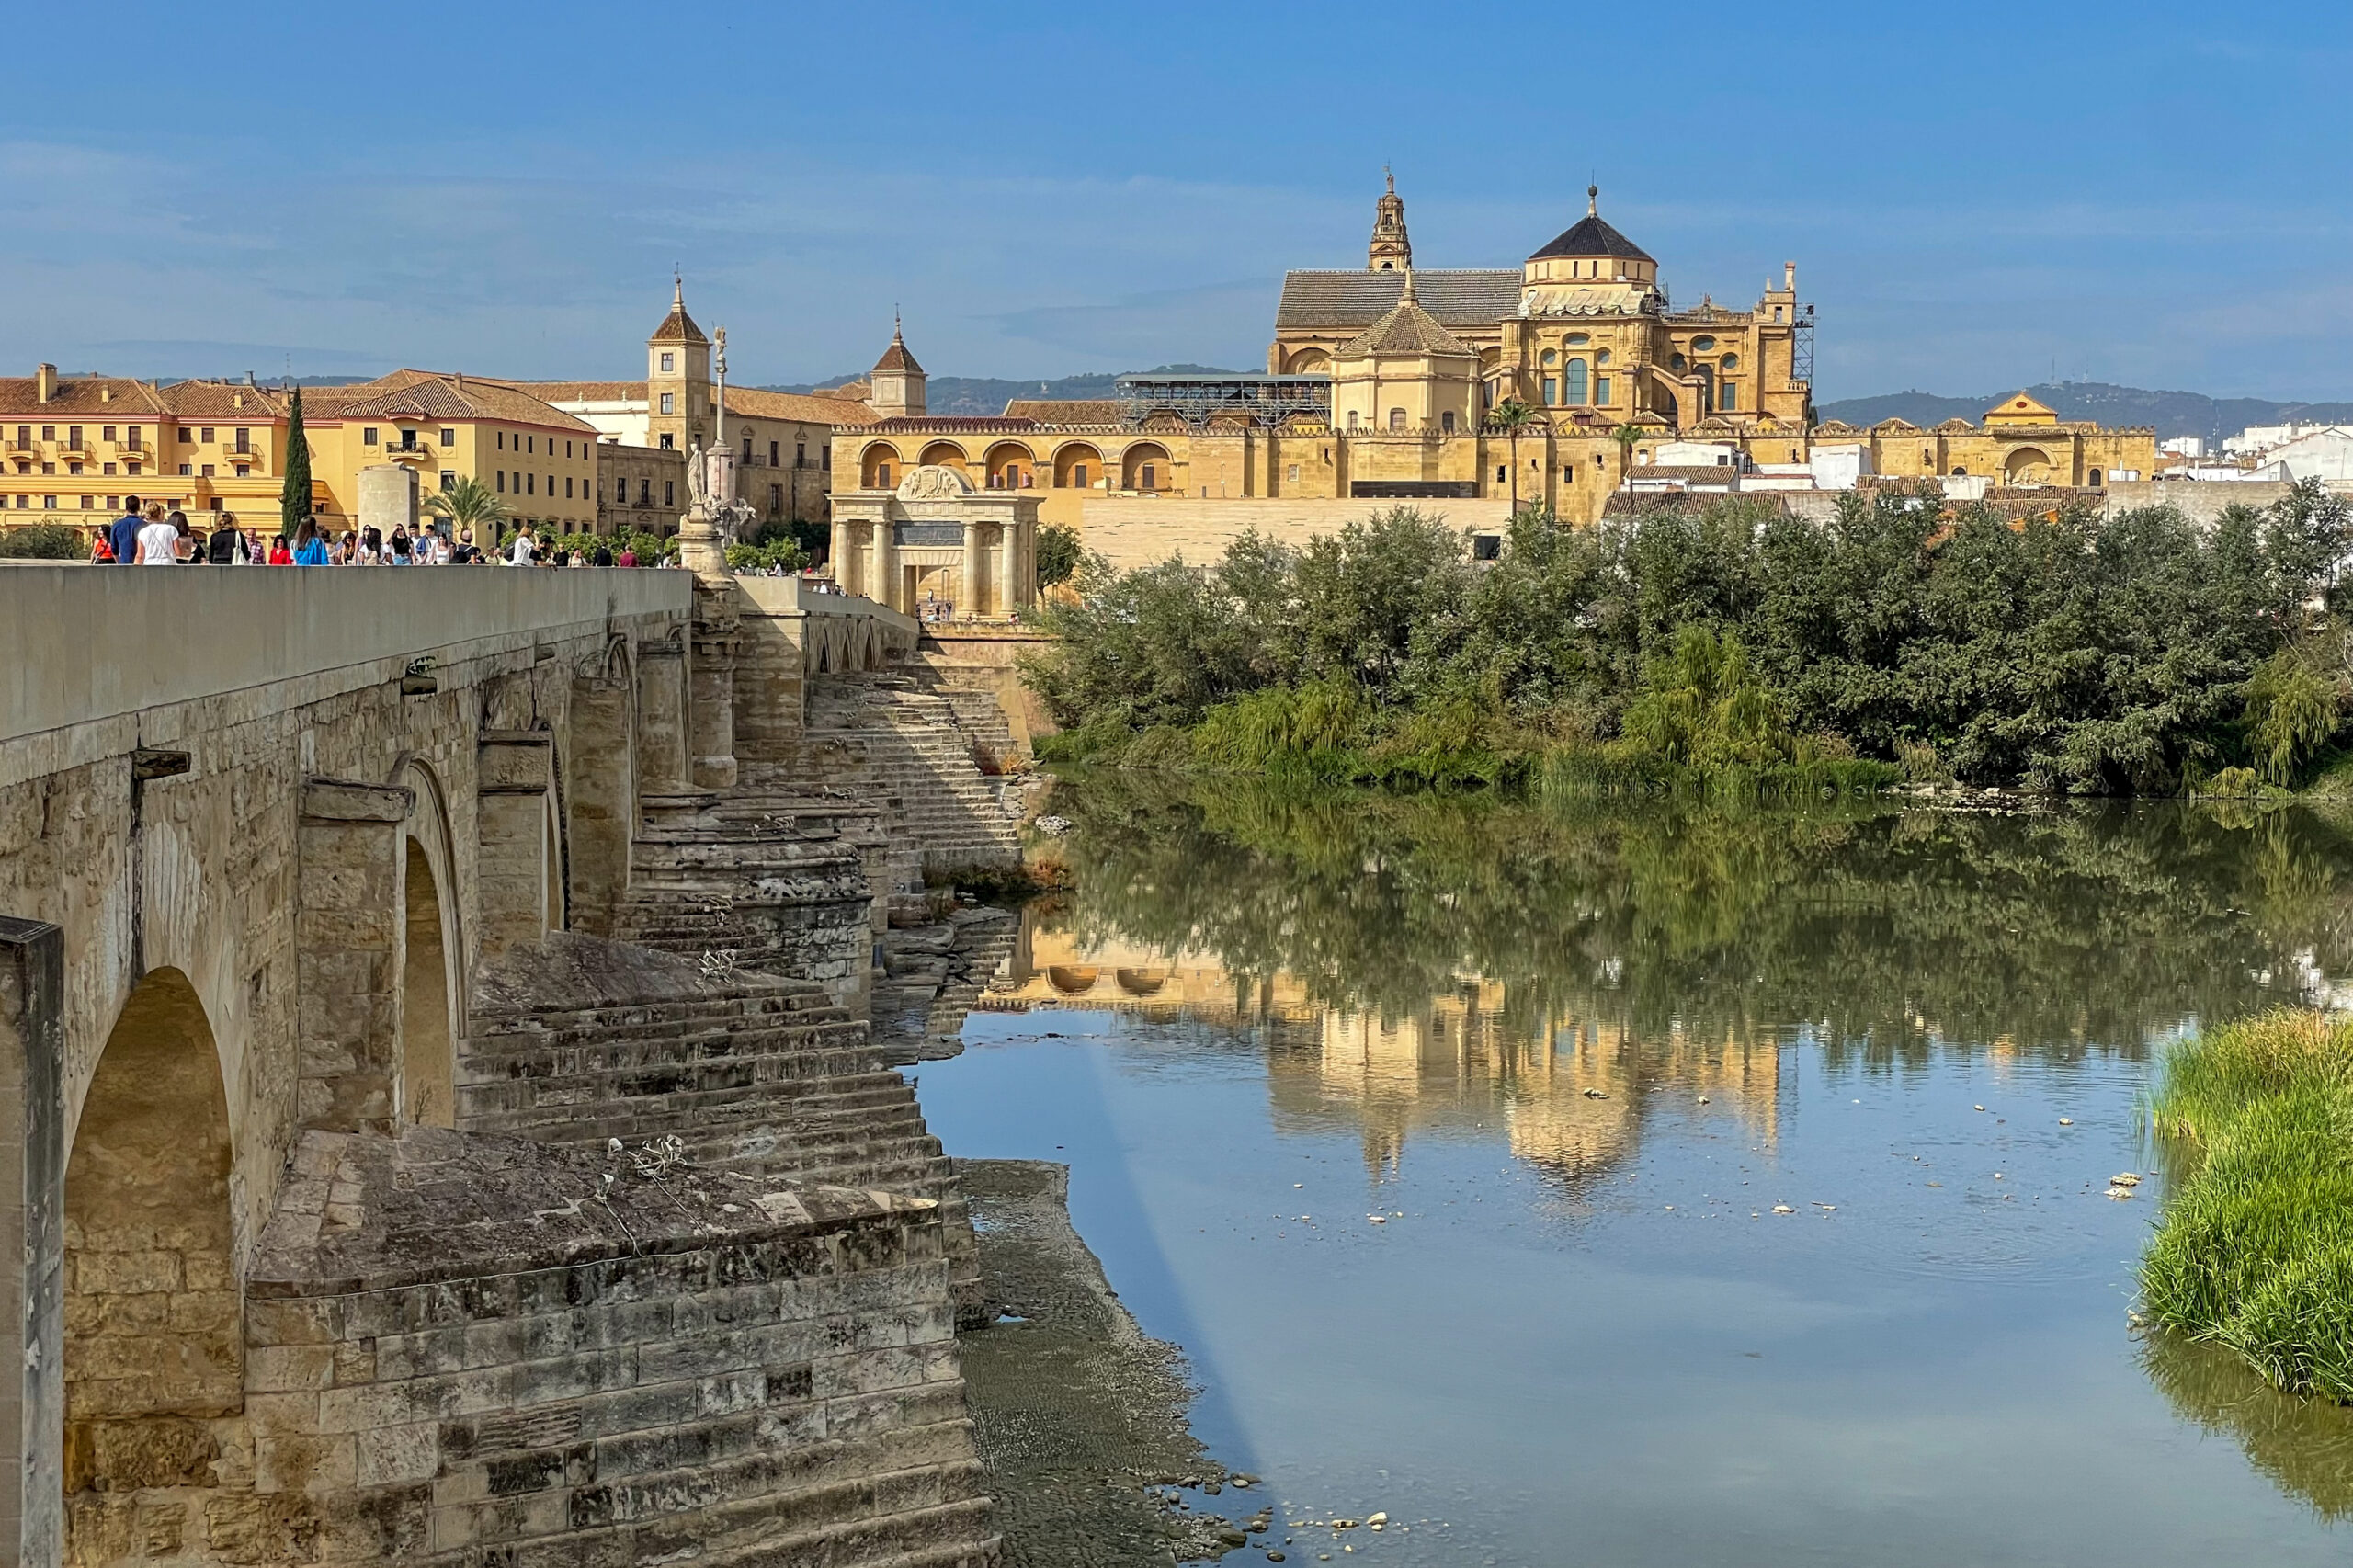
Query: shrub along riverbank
point(1725, 645)
point(2255, 1251)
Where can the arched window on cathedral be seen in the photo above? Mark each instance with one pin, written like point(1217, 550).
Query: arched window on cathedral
point(1396, 419)
point(1576, 393)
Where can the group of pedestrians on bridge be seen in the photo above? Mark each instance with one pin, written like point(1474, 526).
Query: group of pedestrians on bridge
point(150, 534)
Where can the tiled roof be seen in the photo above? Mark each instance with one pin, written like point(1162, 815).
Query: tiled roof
point(896, 356)
point(755, 403)
point(20, 397)
point(1066, 410)
point(583, 391)
point(1590, 236)
point(678, 327)
point(1351, 302)
point(225, 400)
point(1405, 328)
point(949, 425)
point(428, 394)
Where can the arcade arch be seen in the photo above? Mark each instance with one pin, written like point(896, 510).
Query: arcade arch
point(878, 467)
point(1145, 466)
point(944, 454)
point(1011, 466)
point(1077, 466)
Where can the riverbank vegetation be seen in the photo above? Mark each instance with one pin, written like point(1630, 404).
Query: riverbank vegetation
point(1725, 645)
point(2255, 1251)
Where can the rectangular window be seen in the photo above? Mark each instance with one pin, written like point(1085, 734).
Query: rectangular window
point(186, 469)
point(106, 467)
point(207, 434)
point(669, 492)
point(367, 436)
point(48, 432)
point(531, 444)
point(773, 448)
point(567, 487)
point(502, 440)
point(449, 437)
point(826, 456)
point(187, 435)
point(1602, 389)
point(669, 363)
point(131, 469)
point(408, 441)
point(24, 435)
point(106, 432)
point(1446, 422)
point(89, 503)
point(72, 468)
point(669, 402)
point(1730, 395)
point(502, 482)
point(667, 444)
point(775, 498)
point(74, 436)
point(644, 491)
point(531, 484)
point(1291, 473)
point(1552, 391)
point(244, 438)
point(449, 479)
point(130, 439)
point(207, 471)
point(49, 503)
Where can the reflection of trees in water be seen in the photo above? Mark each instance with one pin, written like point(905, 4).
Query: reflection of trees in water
point(2304, 1446)
point(2051, 933)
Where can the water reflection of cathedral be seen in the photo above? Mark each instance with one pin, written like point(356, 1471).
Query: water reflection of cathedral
point(1568, 1091)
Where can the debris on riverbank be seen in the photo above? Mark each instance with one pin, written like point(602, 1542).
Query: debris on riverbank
point(1080, 1416)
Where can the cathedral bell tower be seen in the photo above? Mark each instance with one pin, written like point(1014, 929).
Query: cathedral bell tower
point(1390, 251)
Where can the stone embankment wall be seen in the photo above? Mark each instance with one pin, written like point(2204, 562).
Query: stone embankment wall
point(304, 902)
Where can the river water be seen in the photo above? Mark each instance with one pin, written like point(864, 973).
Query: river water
point(1741, 1174)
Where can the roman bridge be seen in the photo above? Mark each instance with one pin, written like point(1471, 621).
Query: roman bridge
point(438, 1114)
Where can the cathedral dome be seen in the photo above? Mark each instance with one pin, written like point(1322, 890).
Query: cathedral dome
point(1590, 236)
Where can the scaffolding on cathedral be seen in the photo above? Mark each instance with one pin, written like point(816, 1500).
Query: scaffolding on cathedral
point(1197, 399)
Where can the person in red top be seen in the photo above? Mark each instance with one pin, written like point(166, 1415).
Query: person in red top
point(278, 554)
point(101, 551)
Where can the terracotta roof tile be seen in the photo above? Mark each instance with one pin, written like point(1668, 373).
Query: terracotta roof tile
point(1405, 328)
point(808, 410)
point(678, 327)
point(896, 356)
point(78, 395)
point(1066, 410)
point(429, 394)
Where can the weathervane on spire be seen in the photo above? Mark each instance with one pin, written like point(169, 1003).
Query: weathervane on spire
point(1592, 201)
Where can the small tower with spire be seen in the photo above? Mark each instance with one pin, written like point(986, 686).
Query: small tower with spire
point(1390, 251)
point(678, 378)
point(897, 382)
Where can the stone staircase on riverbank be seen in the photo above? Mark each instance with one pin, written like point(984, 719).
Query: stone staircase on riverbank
point(918, 746)
point(575, 1041)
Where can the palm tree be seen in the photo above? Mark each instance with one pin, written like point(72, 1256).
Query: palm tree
point(1626, 436)
point(1513, 418)
point(469, 504)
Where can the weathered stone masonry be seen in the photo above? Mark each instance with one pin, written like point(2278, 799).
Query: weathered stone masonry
point(369, 1214)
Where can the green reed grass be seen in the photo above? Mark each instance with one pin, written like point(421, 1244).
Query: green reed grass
point(2255, 1248)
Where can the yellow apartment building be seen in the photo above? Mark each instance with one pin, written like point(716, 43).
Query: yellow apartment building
point(539, 461)
point(72, 449)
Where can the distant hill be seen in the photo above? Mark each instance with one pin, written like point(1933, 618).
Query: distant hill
point(2170, 413)
point(986, 396)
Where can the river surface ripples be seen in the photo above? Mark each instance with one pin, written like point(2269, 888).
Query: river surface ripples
point(1741, 1177)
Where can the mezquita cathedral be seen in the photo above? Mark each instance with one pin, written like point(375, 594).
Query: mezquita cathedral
point(1565, 379)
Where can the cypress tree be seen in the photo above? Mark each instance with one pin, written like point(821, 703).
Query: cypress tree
point(294, 500)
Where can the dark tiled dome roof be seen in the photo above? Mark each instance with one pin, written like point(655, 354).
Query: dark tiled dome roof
point(1591, 236)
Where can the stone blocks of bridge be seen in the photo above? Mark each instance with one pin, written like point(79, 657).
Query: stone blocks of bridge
point(347, 948)
point(475, 1348)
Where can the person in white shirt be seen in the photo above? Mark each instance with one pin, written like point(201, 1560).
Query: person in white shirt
point(525, 551)
point(159, 539)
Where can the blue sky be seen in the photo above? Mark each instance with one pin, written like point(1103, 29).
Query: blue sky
point(1976, 198)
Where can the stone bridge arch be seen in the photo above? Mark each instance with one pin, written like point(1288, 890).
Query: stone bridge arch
point(153, 1342)
point(432, 954)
